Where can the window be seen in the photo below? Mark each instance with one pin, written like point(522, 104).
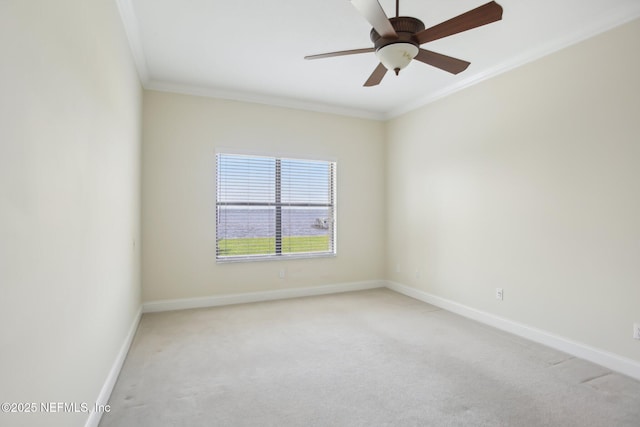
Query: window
point(272, 208)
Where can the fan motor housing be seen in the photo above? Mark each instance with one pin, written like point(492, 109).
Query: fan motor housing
point(406, 27)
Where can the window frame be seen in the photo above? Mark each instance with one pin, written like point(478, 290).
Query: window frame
point(277, 203)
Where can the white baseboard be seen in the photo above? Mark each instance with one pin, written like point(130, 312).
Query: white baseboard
point(112, 377)
point(611, 361)
point(213, 301)
point(218, 300)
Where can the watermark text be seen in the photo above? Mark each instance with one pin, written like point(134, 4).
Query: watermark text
point(52, 407)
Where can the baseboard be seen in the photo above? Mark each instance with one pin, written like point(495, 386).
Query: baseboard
point(180, 304)
point(218, 300)
point(609, 360)
point(112, 377)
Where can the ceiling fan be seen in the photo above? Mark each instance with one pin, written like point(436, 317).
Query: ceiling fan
point(397, 40)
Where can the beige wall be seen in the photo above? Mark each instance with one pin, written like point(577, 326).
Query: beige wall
point(70, 104)
point(181, 136)
point(530, 182)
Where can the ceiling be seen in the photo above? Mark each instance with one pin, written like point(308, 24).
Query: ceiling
point(253, 50)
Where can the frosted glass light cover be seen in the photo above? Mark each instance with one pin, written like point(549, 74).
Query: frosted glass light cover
point(397, 55)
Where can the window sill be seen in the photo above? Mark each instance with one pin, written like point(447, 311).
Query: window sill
point(287, 257)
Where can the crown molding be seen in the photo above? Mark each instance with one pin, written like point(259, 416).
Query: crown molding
point(132, 30)
point(608, 22)
point(254, 98)
point(617, 17)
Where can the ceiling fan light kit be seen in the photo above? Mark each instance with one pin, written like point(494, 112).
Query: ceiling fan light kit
point(397, 56)
point(395, 53)
point(397, 40)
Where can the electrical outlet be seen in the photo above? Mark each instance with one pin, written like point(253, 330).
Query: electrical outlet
point(397, 268)
point(636, 331)
point(499, 294)
point(418, 275)
point(282, 274)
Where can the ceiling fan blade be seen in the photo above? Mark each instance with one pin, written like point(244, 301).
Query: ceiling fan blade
point(444, 62)
point(373, 12)
point(376, 76)
point(477, 17)
point(340, 53)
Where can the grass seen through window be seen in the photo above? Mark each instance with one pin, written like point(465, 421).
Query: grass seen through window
point(267, 245)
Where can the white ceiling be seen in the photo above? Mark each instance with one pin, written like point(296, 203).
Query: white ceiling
point(252, 50)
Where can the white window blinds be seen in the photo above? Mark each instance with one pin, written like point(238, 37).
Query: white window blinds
point(271, 207)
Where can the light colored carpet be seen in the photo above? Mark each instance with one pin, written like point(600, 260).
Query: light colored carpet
point(370, 358)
